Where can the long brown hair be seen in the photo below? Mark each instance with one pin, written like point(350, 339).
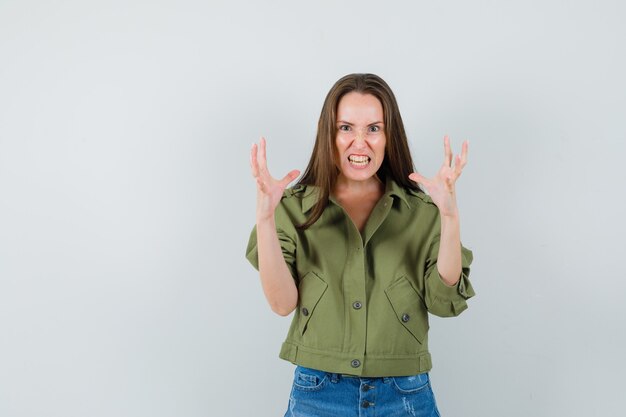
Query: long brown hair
point(322, 171)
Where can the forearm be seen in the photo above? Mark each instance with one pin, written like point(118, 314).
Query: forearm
point(276, 279)
point(449, 256)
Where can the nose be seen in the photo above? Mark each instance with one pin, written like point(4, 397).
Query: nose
point(358, 134)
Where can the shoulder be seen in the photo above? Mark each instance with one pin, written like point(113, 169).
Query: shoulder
point(289, 209)
point(424, 214)
point(293, 195)
point(420, 199)
point(295, 190)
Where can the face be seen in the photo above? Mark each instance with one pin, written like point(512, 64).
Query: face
point(360, 136)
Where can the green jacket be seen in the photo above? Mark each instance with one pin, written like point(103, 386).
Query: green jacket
point(364, 298)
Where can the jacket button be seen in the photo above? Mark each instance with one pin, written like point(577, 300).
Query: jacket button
point(405, 317)
point(305, 311)
point(355, 363)
point(357, 305)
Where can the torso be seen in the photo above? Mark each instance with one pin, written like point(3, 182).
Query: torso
point(359, 208)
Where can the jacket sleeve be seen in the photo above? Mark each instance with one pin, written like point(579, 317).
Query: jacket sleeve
point(442, 299)
point(287, 244)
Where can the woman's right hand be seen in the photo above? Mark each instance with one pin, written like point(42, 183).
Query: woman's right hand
point(269, 190)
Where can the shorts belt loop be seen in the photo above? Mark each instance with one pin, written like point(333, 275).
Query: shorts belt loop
point(334, 378)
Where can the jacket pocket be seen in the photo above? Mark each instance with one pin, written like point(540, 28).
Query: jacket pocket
point(408, 307)
point(310, 290)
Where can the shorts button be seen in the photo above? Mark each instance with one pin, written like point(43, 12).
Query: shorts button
point(305, 311)
point(366, 404)
point(355, 363)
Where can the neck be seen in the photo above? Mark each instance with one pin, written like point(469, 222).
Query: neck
point(347, 186)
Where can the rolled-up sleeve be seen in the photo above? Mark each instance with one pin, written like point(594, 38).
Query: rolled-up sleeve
point(287, 244)
point(445, 300)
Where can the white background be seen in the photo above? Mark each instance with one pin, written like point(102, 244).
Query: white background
point(126, 199)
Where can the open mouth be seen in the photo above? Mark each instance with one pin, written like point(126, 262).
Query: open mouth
point(359, 160)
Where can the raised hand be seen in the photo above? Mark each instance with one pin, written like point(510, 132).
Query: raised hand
point(269, 190)
point(441, 188)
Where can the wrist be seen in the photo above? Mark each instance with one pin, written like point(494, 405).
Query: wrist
point(450, 224)
point(449, 215)
point(265, 220)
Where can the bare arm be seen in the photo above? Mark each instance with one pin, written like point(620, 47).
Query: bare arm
point(278, 284)
point(276, 279)
point(442, 191)
point(449, 257)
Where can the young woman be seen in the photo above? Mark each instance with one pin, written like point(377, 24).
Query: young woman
point(361, 254)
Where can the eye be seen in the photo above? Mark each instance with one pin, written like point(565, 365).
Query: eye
point(344, 128)
point(374, 128)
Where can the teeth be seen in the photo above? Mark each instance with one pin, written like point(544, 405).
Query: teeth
point(355, 158)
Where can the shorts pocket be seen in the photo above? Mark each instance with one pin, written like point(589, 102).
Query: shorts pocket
point(309, 379)
point(409, 307)
point(411, 384)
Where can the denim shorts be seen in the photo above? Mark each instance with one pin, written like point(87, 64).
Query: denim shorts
point(317, 393)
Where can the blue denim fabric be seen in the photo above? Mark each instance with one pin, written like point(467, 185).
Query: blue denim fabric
point(317, 393)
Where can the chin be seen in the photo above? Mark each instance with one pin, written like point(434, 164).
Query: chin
point(359, 176)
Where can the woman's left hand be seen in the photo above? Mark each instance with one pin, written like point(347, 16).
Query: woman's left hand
point(441, 187)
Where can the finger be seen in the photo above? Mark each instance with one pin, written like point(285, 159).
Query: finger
point(416, 177)
point(450, 183)
point(292, 175)
point(458, 167)
point(261, 184)
point(447, 151)
point(461, 160)
point(253, 162)
point(262, 157)
point(464, 153)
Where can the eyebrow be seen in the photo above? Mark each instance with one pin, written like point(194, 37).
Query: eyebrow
point(351, 124)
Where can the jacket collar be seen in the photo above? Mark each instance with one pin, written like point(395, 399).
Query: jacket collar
point(311, 194)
